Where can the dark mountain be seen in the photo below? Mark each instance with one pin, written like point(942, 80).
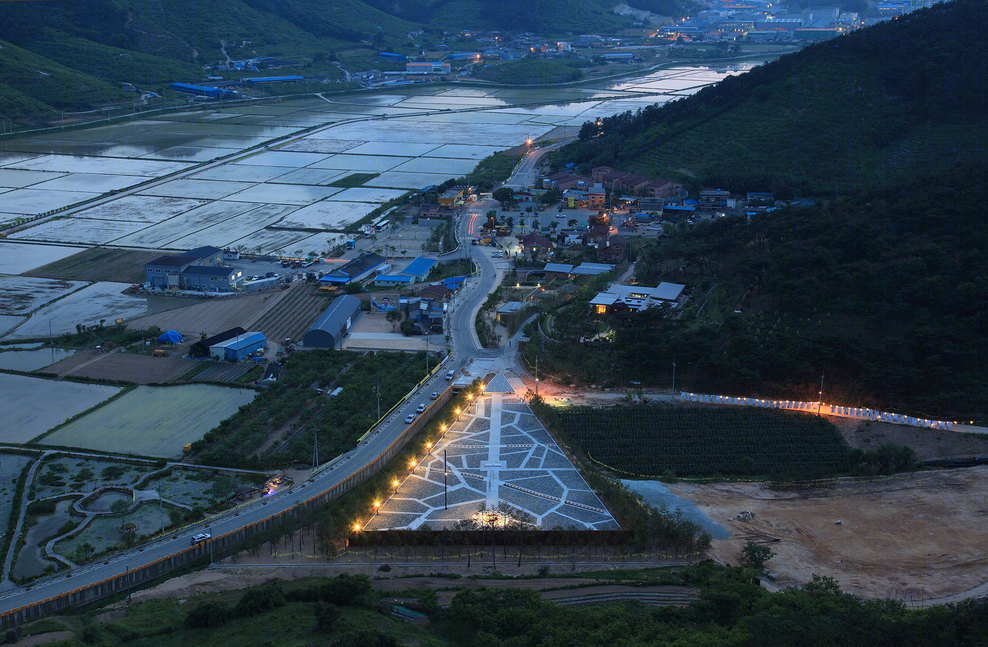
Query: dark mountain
point(883, 290)
point(887, 102)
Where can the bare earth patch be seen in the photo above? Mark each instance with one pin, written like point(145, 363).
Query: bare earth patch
point(916, 537)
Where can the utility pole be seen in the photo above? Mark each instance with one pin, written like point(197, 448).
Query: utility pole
point(445, 471)
point(819, 399)
point(51, 342)
point(377, 390)
point(674, 375)
point(315, 450)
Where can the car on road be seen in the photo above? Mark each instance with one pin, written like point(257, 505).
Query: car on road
point(434, 395)
point(420, 408)
point(410, 418)
point(200, 537)
point(449, 375)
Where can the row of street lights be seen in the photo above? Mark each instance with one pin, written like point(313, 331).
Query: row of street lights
point(413, 463)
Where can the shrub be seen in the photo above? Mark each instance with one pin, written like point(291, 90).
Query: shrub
point(207, 614)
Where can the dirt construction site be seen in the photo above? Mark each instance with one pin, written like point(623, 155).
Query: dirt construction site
point(916, 537)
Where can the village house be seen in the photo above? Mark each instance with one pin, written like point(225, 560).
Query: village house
point(536, 246)
point(635, 297)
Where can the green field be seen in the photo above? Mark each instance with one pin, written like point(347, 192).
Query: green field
point(153, 420)
point(657, 440)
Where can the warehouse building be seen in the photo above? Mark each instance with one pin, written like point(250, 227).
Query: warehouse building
point(165, 271)
point(201, 347)
point(211, 279)
point(333, 324)
point(239, 347)
point(354, 271)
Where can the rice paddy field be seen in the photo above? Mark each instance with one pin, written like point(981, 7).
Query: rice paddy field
point(288, 186)
point(153, 421)
point(31, 405)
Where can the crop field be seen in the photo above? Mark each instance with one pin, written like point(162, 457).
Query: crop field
point(125, 367)
point(333, 216)
point(655, 440)
point(213, 316)
point(19, 295)
point(253, 218)
point(153, 421)
point(262, 433)
point(98, 264)
point(32, 405)
point(32, 360)
point(81, 231)
point(86, 306)
point(17, 258)
point(9, 322)
point(11, 466)
point(294, 314)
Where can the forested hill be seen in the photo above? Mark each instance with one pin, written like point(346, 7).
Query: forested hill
point(880, 104)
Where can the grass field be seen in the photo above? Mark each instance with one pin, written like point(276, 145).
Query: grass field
point(153, 421)
point(660, 440)
point(99, 264)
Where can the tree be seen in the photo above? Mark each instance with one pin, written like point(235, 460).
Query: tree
point(572, 222)
point(504, 195)
point(394, 316)
point(755, 555)
point(407, 328)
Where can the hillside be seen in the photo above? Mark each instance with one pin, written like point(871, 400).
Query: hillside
point(879, 104)
point(881, 292)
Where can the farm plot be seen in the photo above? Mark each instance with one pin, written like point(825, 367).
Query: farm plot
point(213, 316)
point(310, 176)
point(22, 295)
point(463, 151)
point(153, 421)
point(653, 440)
point(409, 181)
point(203, 189)
point(242, 173)
point(98, 264)
point(299, 194)
point(30, 561)
point(235, 228)
point(34, 201)
point(97, 302)
point(328, 215)
point(294, 314)
point(361, 163)
point(32, 405)
point(140, 208)
point(366, 194)
point(17, 179)
point(91, 182)
point(450, 167)
point(83, 231)
point(283, 158)
point(268, 240)
point(9, 322)
point(104, 165)
point(125, 367)
point(17, 258)
point(32, 360)
point(318, 145)
point(165, 232)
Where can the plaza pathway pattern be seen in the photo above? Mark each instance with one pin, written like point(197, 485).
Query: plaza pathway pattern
point(497, 452)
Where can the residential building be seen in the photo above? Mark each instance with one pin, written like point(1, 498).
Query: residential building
point(451, 198)
point(419, 268)
point(635, 297)
point(631, 183)
point(596, 196)
point(591, 269)
point(564, 180)
point(536, 246)
point(714, 199)
point(557, 270)
point(613, 249)
point(507, 313)
point(333, 324)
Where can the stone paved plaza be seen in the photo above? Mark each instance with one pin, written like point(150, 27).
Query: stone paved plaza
point(497, 452)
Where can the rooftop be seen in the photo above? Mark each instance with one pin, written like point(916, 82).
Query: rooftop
point(191, 256)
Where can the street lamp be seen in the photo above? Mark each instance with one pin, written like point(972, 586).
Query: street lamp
point(356, 527)
point(429, 447)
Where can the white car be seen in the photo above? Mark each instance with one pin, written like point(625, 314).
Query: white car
point(200, 537)
point(420, 408)
point(410, 418)
point(434, 395)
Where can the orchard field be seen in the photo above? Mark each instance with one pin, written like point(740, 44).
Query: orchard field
point(661, 440)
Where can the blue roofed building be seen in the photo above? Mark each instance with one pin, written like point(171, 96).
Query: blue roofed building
point(166, 271)
point(419, 268)
point(239, 347)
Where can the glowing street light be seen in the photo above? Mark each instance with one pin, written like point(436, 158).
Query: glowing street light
point(356, 527)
